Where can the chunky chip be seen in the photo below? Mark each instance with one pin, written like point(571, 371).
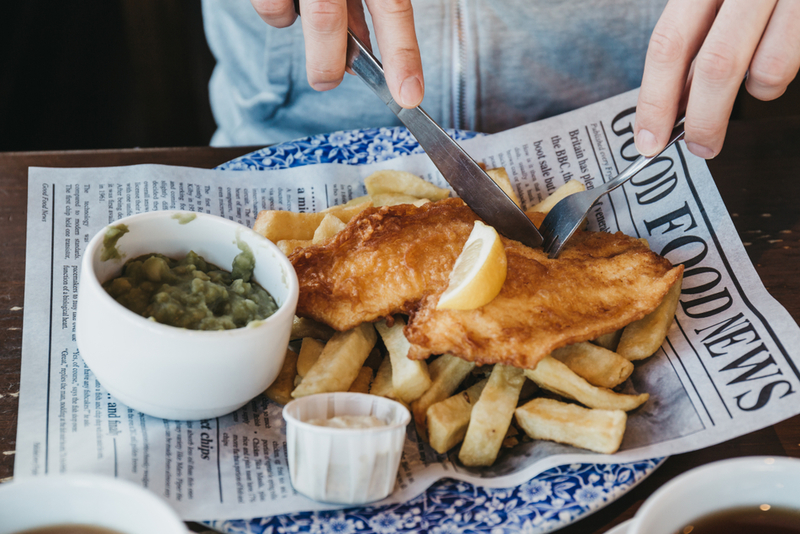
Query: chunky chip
point(446, 372)
point(280, 390)
point(569, 188)
point(598, 366)
point(448, 419)
point(279, 225)
point(410, 378)
point(596, 430)
point(555, 376)
point(491, 416)
point(328, 227)
point(310, 349)
point(642, 338)
point(500, 177)
point(340, 362)
point(402, 182)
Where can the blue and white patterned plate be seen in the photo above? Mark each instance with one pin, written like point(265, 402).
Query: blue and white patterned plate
point(551, 500)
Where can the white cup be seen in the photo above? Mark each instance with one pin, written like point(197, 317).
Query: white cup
point(344, 465)
point(735, 483)
point(98, 501)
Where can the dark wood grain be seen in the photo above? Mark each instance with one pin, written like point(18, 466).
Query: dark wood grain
point(757, 174)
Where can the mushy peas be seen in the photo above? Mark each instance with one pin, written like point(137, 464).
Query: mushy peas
point(192, 293)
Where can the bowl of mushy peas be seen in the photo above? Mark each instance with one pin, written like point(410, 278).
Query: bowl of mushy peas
point(184, 315)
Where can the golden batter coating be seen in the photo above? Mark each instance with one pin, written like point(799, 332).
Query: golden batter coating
point(397, 260)
point(383, 262)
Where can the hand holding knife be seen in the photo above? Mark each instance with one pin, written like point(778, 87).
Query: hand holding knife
point(470, 182)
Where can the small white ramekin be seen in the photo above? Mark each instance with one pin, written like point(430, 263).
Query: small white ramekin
point(115, 504)
point(738, 482)
point(344, 465)
point(170, 372)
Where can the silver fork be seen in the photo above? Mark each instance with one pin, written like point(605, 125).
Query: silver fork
point(569, 213)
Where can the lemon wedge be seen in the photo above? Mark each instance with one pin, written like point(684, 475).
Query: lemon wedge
point(479, 271)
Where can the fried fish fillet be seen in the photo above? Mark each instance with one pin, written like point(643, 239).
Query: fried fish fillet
point(398, 260)
point(383, 262)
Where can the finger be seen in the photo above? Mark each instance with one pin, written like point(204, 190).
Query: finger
point(777, 59)
point(677, 37)
point(397, 41)
point(277, 13)
point(325, 35)
point(719, 69)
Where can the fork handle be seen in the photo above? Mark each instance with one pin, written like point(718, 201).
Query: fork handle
point(643, 161)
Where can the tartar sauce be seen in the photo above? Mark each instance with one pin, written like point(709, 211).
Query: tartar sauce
point(349, 421)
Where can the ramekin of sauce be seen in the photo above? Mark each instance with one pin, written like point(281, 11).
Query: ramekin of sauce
point(343, 447)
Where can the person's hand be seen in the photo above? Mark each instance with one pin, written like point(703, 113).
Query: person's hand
point(698, 56)
point(325, 25)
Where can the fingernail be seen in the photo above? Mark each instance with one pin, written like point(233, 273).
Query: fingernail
point(700, 150)
point(410, 92)
point(324, 86)
point(646, 143)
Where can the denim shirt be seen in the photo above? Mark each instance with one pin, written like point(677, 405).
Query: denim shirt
point(489, 65)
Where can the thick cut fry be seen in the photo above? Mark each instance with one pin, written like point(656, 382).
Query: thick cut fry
point(279, 225)
point(382, 385)
point(500, 177)
point(409, 379)
point(356, 201)
point(393, 199)
point(491, 416)
point(280, 390)
point(340, 362)
point(328, 227)
point(598, 366)
point(287, 246)
point(573, 186)
point(345, 212)
point(597, 430)
point(310, 349)
point(302, 328)
point(448, 419)
point(642, 338)
point(555, 376)
point(446, 372)
point(381, 182)
point(608, 341)
point(362, 382)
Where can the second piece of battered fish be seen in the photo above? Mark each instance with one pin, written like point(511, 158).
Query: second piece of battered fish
point(398, 259)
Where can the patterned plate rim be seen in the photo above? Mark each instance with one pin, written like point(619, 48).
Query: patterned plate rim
point(551, 500)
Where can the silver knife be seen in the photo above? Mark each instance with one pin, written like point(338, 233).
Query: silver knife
point(470, 182)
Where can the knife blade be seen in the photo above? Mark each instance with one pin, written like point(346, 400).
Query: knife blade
point(470, 182)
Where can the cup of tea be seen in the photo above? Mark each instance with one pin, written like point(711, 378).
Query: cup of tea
point(736, 496)
point(83, 504)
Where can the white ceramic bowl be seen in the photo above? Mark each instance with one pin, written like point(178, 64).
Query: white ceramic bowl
point(84, 500)
point(175, 373)
point(344, 465)
point(738, 482)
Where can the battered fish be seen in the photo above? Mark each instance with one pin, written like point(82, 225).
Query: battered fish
point(398, 259)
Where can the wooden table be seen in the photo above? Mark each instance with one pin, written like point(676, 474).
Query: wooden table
point(758, 174)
